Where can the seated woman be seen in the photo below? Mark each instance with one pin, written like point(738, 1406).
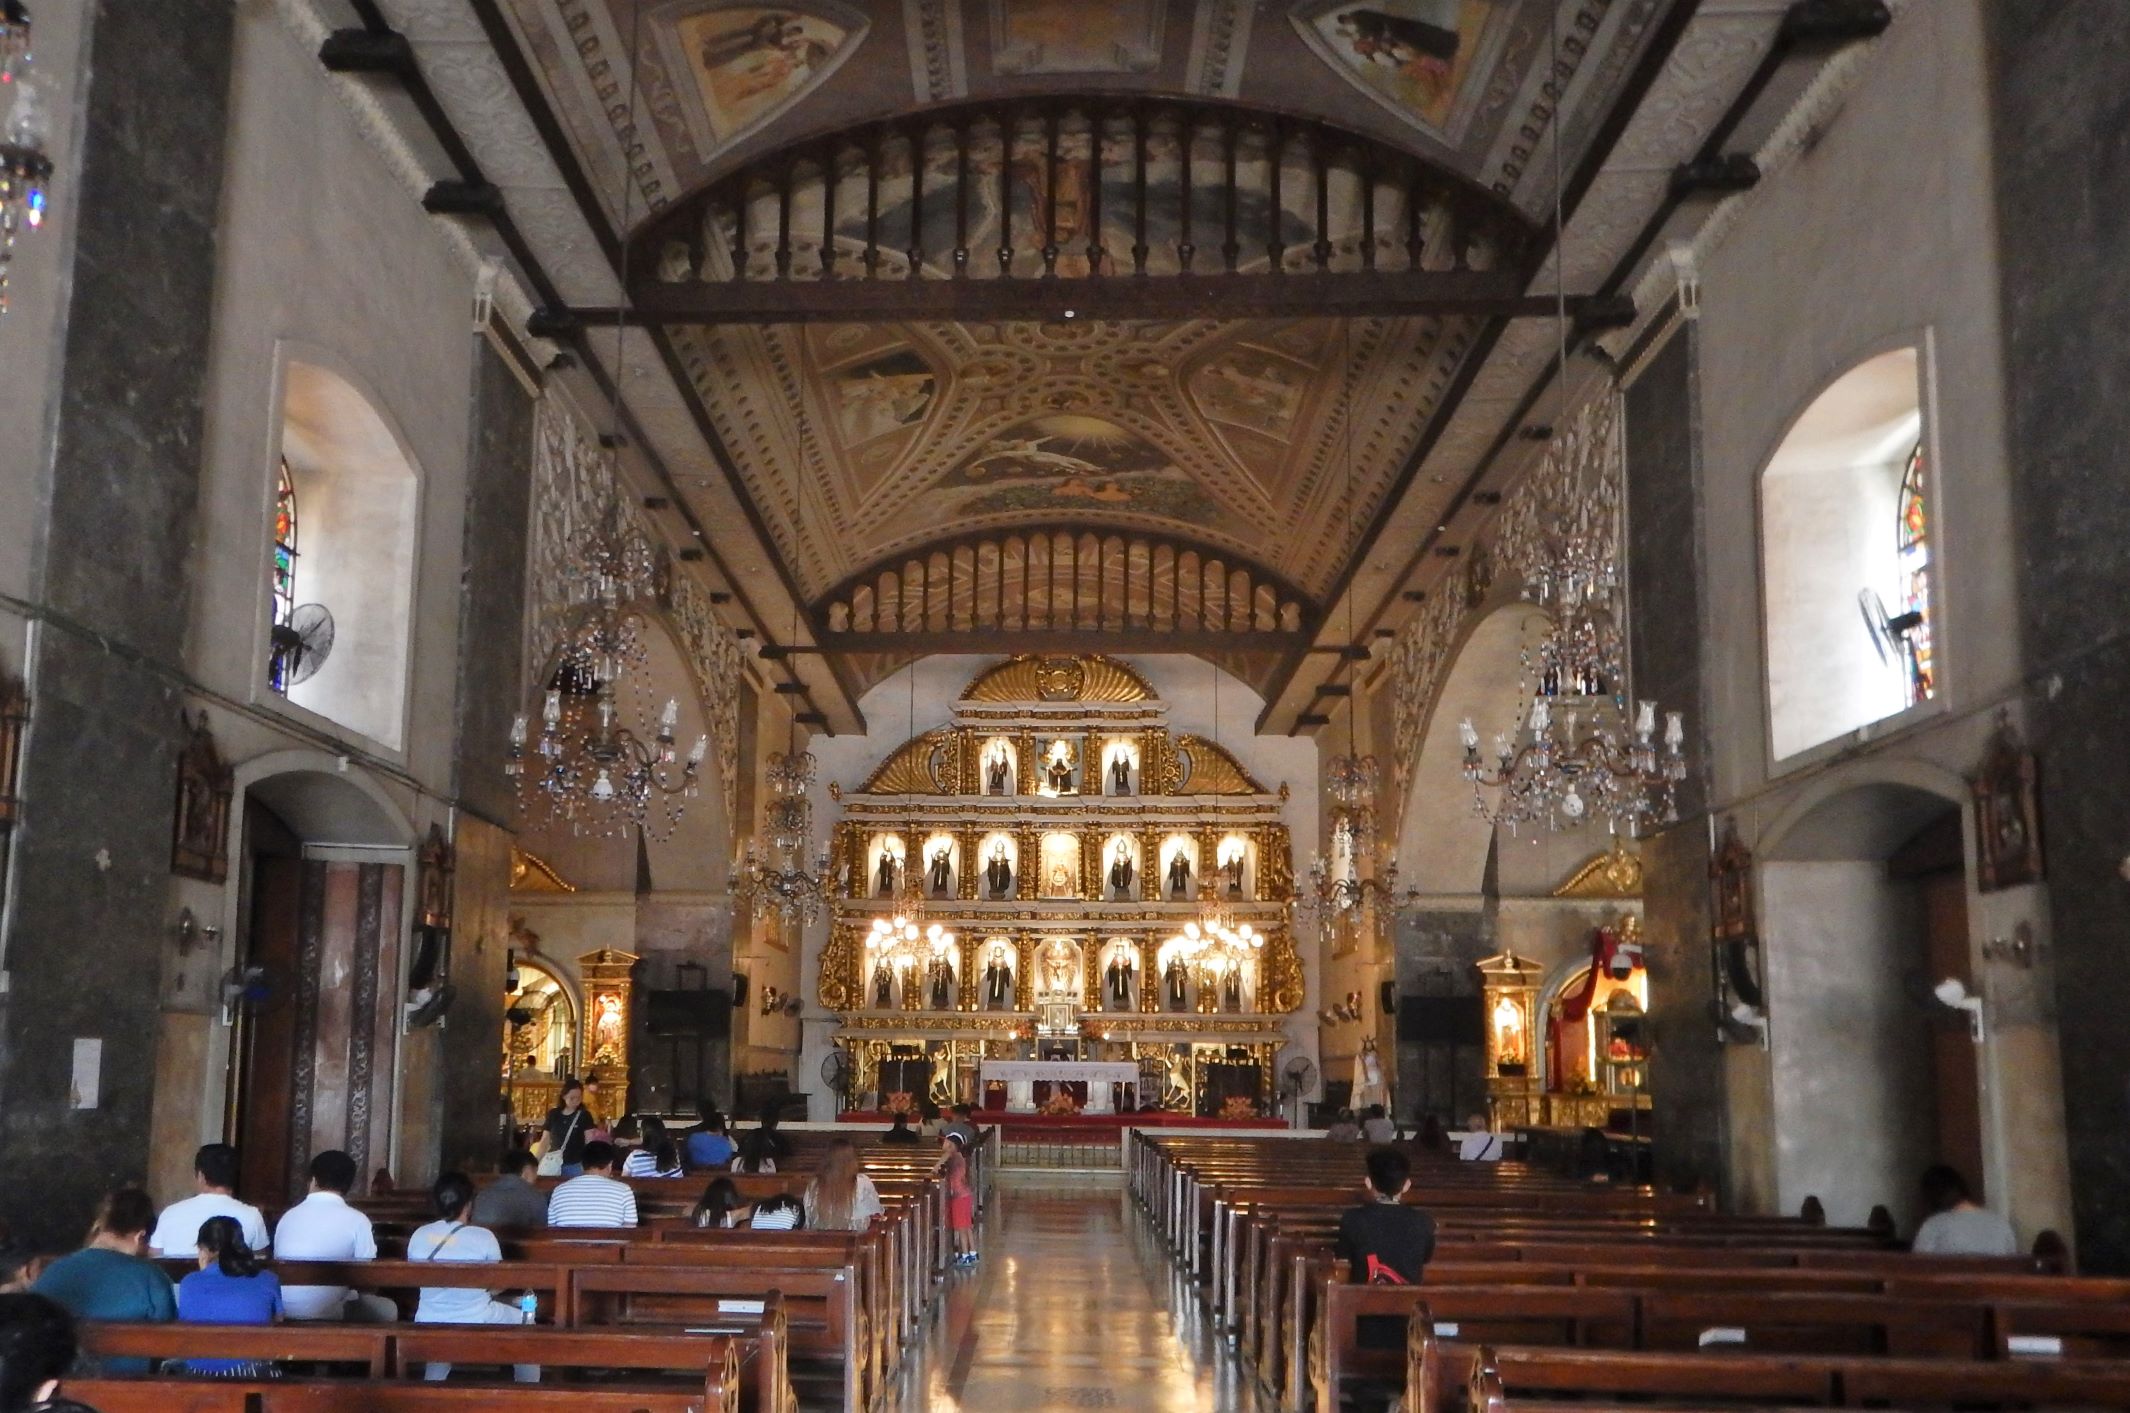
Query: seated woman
point(841, 1197)
point(37, 1348)
point(110, 1278)
point(453, 1238)
point(659, 1155)
point(228, 1289)
point(721, 1205)
point(779, 1213)
point(756, 1154)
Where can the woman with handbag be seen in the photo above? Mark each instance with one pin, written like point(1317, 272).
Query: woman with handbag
point(569, 1128)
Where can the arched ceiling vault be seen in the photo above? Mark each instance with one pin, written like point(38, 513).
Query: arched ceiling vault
point(647, 152)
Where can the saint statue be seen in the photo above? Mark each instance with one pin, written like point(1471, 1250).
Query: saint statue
point(995, 774)
point(1060, 773)
point(998, 874)
point(942, 979)
point(1231, 991)
point(941, 876)
point(998, 981)
point(884, 875)
point(1232, 872)
point(1121, 872)
point(1118, 979)
point(1179, 874)
point(1120, 774)
point(1175, 981)
point(883, 986)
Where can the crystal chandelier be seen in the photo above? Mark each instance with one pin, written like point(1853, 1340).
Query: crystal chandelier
point(589, 767)
point(23, 163)
point(905, 942)
point(1576, 754)
point(781, 882)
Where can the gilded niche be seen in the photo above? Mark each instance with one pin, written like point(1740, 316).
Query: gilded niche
point(1059, 679)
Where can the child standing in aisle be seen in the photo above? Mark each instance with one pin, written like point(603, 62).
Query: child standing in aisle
point(961, 1198)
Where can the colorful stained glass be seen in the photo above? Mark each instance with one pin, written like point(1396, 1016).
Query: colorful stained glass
point(1913, 548)
point(284, 586)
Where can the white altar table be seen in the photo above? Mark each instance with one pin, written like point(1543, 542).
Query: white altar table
point(1021, 1076)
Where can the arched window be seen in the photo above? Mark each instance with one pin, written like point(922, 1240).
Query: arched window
point(284, 581)
point(1912, 538)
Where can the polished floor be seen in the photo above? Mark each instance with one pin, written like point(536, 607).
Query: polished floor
point(1072, 1306)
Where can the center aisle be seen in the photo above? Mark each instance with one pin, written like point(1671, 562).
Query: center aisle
point(1071, 1307)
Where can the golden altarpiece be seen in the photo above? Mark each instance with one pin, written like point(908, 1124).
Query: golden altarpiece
point(1062, 861)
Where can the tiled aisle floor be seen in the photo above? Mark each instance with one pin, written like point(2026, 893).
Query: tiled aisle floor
point(1073, 1306)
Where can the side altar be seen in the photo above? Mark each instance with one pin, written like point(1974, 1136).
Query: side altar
point(1056, 875)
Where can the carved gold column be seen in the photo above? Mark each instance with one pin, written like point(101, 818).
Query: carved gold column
point(971, 866)
point(1156, 763)
point(1026, 772)
point(1209, 864)
point(1024, 974)
point(1275, 864)
point(969, 778)
point(1149, 972)
point(839, 984)
point(1027, 873)
point(967, 973)
point(1094, 882)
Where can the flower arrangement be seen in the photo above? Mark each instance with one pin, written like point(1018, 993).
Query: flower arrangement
point(1238, 1106)
point(1061, 1105)
point(900, 1102)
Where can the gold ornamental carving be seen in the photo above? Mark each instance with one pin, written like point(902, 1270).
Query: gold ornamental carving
point(838, 969)
point(1160, 772)
point(1283, 987)
point(529, 873)
point(1213, 771)
point(1275, 864)
point(910, 770)
point(1616, 873)
point(1046, 678)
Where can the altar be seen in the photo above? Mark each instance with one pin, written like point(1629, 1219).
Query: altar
point(1105, 1080)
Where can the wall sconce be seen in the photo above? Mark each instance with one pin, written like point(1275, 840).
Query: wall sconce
point(187, 932)
point(2019, 949)
point(772, 1000)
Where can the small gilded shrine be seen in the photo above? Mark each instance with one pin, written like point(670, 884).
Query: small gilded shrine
point(1057, 875)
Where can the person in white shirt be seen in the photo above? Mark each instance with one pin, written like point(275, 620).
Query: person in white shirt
point(323, 1227)
point(841, 1197)
point(453, 1238)
point(595, 1198)
point(214, 1172)
point(1379, 1127)
point(1478, 1145)
point(1958, 1225)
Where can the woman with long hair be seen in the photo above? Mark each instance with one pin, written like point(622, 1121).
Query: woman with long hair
point(454, 1238)
point(841, 1197)
point(657, 1156)
point(721, 1205)
point(755, 1154)
point(229, 1288)
point(569, 1127)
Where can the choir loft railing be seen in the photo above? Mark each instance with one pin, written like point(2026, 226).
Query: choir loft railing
point(1100, 207)
point(1065, 589)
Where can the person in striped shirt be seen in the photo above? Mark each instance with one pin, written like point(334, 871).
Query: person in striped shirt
point(596, 1198)
point(659, 1156)
point(782, 1212)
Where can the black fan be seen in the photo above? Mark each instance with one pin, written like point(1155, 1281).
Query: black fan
point(306, 640)
point(1889, 634)
point(427, 1008)
point(1297, 1077)
point(836, 1072)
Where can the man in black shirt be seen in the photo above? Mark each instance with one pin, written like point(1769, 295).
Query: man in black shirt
point(1385, 1242)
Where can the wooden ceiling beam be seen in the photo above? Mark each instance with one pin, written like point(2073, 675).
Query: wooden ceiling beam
point(1123, 640)
point(1359, 293)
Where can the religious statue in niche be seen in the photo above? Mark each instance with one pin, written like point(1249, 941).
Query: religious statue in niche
point(1060, 970)
point(204, 786)
point(883, 985)
point(434, 868)
point(997, 773)
point(940, 876)
point(1060, 881)
point(1121, 872)
point(998, 874)
point(1231, 990)
point(1058, 773)
point(1511, 1037)
point(1231, 872)
point(606, 1026)
point(941, 978)
point(1120, 774)
point(998, 981)
point(884, 874)
point(2007, 812)
point(1179, 880)
point(1117, 980)
point(1176, 982)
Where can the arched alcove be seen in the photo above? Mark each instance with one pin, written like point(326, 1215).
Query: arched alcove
point(347, 481)
point(1864, 903)
point(1845, 550)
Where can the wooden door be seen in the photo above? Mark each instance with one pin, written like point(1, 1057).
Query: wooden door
point(1953, 1054)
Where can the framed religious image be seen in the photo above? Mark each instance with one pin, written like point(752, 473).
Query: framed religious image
point(2007, 813)
point(204, 785)
point(1731, 886)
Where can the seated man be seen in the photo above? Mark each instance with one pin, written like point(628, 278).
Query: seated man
point(1385, 1242)
point(512, 1202)
point(214, 1173)
point(1379, 1126)
point(708, 1145)
point(323, 1227)
point(597, 1197)
point(1478, 1145)
point(1958, 1225)
point(900, 1131)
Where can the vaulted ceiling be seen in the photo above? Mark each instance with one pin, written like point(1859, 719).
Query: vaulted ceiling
point(750, 147)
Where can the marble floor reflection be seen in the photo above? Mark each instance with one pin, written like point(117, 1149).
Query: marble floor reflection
point(1073, 1306)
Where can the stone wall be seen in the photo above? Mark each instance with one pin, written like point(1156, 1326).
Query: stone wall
point(2062, 174)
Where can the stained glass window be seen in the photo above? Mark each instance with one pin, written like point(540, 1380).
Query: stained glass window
point(284, 590)
point(1913, 545)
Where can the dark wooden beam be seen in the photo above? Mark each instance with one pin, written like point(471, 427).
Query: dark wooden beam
point(1360, 293)
point(1127, 640)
